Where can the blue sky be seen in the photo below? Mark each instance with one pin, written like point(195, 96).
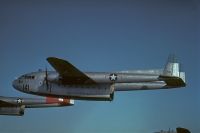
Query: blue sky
point(103, 36)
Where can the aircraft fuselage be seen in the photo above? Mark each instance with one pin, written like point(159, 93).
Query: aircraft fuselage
point(107, 83)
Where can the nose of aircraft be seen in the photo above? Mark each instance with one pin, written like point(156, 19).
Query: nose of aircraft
point(14, 84)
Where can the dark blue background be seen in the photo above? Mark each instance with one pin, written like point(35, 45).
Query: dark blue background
point(103, 36)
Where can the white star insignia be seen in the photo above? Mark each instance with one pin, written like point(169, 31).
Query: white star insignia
point(19, 101)
point(113, 77)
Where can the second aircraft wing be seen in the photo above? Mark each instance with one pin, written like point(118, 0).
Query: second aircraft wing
point(6, 104)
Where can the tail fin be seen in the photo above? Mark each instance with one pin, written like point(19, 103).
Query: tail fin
point(172, 68)
point(171, 73)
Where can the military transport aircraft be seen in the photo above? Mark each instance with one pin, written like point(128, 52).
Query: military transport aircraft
point(69, 82)
point(16, 106)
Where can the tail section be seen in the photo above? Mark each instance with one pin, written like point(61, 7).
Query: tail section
point(172, 74)
point(172, 68)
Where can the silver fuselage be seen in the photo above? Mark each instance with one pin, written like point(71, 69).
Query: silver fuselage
point(107, 83)
point(16, 105)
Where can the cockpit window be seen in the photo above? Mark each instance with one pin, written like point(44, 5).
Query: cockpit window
point(28, 76)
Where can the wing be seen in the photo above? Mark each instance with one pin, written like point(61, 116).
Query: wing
point(68, 73)
point(6, 104)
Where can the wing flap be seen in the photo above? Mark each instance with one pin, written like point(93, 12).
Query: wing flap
point(68, 73)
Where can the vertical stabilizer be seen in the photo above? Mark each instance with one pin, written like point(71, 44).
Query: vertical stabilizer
point(172, 68)
point(171, 73)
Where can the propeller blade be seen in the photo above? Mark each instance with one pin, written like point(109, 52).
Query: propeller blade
point(46, 79)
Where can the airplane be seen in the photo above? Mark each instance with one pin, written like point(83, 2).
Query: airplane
point(16, 105)
point(69, 82)
point(182, 130)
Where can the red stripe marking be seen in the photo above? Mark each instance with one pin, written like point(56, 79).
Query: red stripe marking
point(51, 100)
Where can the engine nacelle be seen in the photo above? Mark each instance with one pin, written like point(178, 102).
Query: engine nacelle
point(17, 111)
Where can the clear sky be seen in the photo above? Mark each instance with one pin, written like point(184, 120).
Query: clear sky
point(103, 36)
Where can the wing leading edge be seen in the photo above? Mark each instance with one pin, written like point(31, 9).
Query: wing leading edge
point(68, 73)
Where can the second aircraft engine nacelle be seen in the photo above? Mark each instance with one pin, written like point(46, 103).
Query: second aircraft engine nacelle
point(17, 111)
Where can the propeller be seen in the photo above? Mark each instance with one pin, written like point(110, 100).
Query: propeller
point(46, 79)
